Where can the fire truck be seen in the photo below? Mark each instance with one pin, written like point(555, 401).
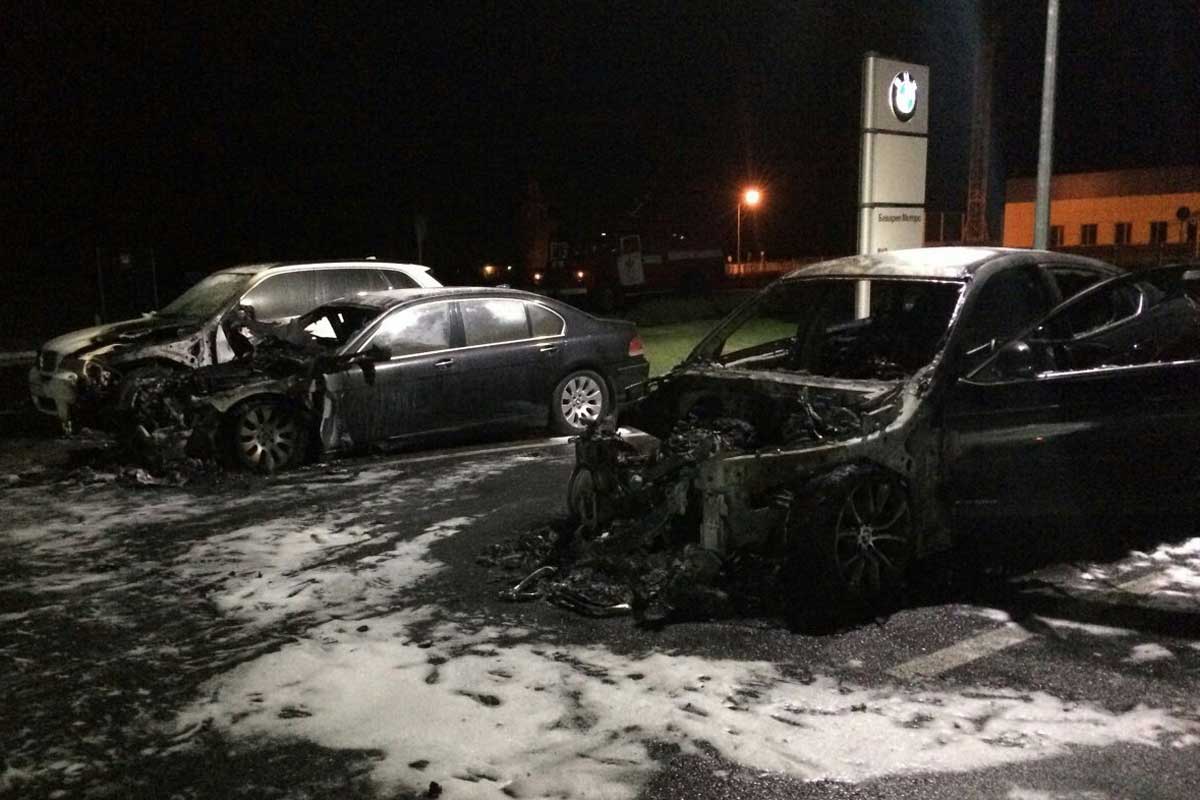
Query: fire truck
point(607, 269)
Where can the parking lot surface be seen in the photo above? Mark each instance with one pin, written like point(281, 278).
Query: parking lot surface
point(329, 633)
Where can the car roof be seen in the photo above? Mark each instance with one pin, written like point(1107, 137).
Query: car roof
point(944, 263)
point(254, 269)
point(394, 297)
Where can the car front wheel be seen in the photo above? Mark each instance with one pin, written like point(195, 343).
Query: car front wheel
point(578, 400)
point(267, 436)
point(855, 527)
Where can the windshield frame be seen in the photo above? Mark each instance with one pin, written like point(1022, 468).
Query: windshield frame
point(705, 351)
point(246, 283)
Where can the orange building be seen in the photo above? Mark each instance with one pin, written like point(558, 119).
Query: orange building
point(1131, 217)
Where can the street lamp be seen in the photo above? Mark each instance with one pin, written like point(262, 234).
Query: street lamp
point(750, 198)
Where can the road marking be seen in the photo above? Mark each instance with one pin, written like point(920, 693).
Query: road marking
point(993, 641)
point(541, 444)
point(964, 652)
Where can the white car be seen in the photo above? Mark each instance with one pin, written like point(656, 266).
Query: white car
point(80, 374)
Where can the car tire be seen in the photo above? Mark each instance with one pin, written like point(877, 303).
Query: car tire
point(852, 529)
point(267, 435)
point(578, 400)
point(588, 511)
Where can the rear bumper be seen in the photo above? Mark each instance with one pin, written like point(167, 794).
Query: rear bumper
point(629, 380)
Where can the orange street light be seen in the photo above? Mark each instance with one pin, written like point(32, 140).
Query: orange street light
point(750, 198)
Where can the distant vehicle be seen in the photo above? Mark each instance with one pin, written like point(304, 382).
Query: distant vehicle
point(605, 270)
point(81, 375)
point(391, 365)
point(979, 385)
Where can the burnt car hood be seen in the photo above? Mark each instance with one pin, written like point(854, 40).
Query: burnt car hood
point(106, 339)
point(772, 401)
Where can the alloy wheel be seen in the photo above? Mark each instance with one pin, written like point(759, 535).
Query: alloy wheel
point(581, 401)
point(871, 541)
point(267, 437)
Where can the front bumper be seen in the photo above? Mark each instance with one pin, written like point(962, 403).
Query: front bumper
point(55, 393)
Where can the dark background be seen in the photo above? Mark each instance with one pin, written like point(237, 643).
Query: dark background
point(267, 130)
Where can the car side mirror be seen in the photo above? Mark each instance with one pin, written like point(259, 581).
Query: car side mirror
point(378, 352)
point(1016, 360)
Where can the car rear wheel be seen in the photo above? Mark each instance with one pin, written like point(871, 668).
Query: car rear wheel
point(578, 400)
point(267, 435)
point(855, 527)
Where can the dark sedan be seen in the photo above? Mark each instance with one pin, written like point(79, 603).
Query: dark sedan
point(973, 385)
point(389, 365)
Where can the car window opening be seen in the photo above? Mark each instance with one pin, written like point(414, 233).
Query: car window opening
point(208, 296)
point(334, 326)
point(809, 326)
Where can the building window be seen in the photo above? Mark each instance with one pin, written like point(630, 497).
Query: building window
point(1123, 233)
point(1087, 234)
point(1056, 235)
point(1158, 232)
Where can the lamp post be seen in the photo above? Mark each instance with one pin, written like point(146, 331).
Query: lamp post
point(751, 197)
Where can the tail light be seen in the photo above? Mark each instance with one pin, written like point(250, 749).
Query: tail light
point(635, 346)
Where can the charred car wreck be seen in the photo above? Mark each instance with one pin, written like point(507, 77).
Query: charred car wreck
point(83, 377)
point(390, 365)
point(860, 413)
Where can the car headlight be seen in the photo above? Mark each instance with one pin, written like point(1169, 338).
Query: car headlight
point(96, 373)
point(93, 371)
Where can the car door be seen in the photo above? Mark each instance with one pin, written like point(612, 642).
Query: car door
point(403, 391)
point(994, 424)
point(503, 368)
point(1100, 415)
point(1128, 366)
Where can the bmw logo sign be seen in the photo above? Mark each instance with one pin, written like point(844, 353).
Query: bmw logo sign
point(902, 96)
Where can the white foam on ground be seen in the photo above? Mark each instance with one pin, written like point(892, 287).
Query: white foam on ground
point(1142, 653)
point(348, 560)
point(542, 721)
point(286, 568)
point(1018, 793)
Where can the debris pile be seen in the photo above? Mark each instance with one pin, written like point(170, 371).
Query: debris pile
point(633, 570)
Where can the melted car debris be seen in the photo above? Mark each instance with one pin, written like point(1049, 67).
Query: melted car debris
point(628, 571)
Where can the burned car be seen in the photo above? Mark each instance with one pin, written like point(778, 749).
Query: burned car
point(390, 365)
point(861, 413)
point(83, 376)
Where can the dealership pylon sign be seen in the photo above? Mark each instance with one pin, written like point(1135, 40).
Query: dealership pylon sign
point(895, 136)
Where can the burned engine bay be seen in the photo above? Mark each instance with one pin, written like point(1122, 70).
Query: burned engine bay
point(693, 523)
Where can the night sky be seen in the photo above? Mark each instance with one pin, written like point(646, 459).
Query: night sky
point(268, 131)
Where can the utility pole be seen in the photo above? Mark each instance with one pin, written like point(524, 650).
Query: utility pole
point(1041, 214)
point(976, 229)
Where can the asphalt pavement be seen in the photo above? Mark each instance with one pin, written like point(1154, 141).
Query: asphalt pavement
point(331, 632)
